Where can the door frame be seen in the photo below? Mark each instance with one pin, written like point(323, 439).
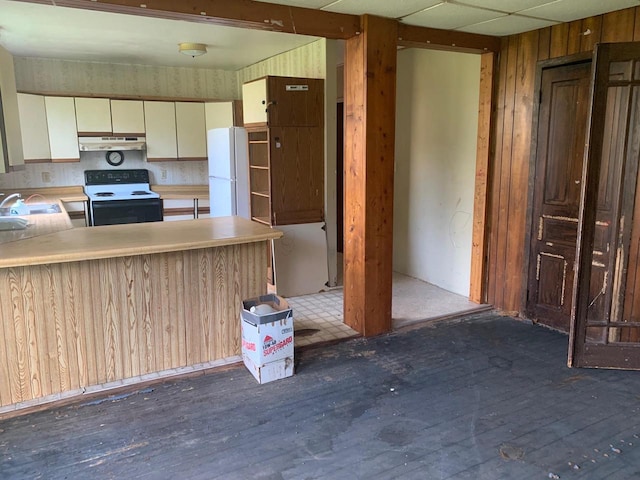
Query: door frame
point(582, 57)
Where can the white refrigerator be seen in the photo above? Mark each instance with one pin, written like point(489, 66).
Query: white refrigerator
point(228, 172)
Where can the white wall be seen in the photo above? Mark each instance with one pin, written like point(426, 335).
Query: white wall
point(436, 131)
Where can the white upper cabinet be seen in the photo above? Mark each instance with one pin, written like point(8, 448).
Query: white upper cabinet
point(63, 133)
point(93, 116)
point(160, 124)
point(127, 117)
point(254, 102)
point(33, 125)
point(191, 132)
point(11, 151)
point(218, 115)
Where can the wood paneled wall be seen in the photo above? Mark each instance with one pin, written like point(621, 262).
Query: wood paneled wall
point(71, 326)
point(512, 140)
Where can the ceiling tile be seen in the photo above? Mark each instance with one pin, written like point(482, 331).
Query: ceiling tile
point(87, 35)
point(508, 25)
point(449, 16)
point(509, 6)
point(568, 10)
point(383, 8)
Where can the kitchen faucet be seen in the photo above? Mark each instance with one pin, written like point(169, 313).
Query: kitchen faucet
point(6, 199)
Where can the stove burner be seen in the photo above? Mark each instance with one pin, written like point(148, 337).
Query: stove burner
point(104, 194)
point(139, 192)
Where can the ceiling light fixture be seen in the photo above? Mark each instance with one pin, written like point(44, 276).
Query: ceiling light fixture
point(192, 49)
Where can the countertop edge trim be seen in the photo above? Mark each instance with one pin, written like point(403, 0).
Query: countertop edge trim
point(151, 250)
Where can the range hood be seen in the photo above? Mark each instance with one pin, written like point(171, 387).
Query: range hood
point(102, 144)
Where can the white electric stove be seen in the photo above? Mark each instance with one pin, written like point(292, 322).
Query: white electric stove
point(121, 196)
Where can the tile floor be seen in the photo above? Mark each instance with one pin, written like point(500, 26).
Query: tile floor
point(319, 317)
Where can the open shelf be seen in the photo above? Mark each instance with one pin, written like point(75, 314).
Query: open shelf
point(265, 220)
point(261, 194)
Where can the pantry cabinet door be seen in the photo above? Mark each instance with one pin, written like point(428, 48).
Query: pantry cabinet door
point(127, 118)
point(93, 116)
point(191, 132)
point(61, 125)
point(160, 125)
point(254, 102)
point(33, 125)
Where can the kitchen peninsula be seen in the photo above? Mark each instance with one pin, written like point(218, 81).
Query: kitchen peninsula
point(89, 309)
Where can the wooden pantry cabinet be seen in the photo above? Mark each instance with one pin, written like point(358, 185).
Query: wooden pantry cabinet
point(286, 175)
point(283, 102)
point(286, 149)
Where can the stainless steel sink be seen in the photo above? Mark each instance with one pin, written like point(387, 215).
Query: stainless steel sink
point(34, 209)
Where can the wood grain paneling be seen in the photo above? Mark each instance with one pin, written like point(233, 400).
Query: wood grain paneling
point(574, 39)
point(512, 126)
point(591, 32)
point(69, 326)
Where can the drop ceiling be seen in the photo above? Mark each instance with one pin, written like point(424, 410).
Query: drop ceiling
point(39, 30)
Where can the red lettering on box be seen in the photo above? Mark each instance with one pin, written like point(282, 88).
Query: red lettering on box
point(248, 345)
point(278, 346)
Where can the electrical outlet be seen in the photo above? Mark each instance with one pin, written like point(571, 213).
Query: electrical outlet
point(163, 174)
point(46, 177)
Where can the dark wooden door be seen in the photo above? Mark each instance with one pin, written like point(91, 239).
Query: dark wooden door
point(562, 123)
point(605, 322)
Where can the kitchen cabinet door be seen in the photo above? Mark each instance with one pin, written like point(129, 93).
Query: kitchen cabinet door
point(218, 115)
point(160, 126)
point(11, 150)
point(93, 116)
point(33, 125)
point(61, 125)
point(254, 102)
point(127, 118)
point(295, 102)
point(191, 132)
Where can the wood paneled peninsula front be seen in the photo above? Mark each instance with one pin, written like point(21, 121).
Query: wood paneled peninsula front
point(89, 309)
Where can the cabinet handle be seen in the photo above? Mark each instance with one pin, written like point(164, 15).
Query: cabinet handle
point(268, 105)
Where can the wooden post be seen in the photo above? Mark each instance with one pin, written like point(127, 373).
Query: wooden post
point(477, 290)
point(370, 101)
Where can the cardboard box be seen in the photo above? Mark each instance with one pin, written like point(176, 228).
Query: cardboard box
point(267, 338)
point(270, 371)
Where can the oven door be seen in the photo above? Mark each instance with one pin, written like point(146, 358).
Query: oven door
point(113, 212)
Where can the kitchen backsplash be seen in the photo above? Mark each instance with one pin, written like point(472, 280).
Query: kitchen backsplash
point(63, 174)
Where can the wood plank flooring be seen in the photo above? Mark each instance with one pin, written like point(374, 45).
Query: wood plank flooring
point(487, 397)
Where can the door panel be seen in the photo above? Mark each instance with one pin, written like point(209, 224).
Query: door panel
point(560, 147)
point(605, 320)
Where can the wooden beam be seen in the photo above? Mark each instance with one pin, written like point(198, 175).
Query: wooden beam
point(423, 37)
point(477, 288)
point(230, 13)
point(370, 98)
point(281, 18)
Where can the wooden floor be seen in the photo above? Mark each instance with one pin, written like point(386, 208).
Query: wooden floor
point(484, 398)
